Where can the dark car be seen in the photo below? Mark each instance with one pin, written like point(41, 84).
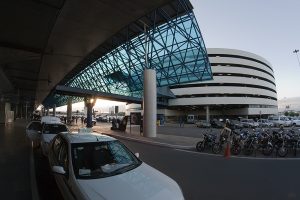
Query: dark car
point(216, 124)
point(93, 121)
point(236, 124)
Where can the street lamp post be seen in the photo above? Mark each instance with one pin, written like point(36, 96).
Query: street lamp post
point(296, 52)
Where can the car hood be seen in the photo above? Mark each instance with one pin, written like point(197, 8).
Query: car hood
point(48, 137)
point(143, 182)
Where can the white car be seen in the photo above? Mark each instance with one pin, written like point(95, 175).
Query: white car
point(249, 123)
point(264, 123)
point(296, 122)
point(91, 166)
point(33, 130)
point(51, 126)
point(280, 120)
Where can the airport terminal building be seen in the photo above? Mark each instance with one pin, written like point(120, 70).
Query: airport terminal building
point(243, 85)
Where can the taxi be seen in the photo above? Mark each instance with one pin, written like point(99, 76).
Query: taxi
point(94, 166)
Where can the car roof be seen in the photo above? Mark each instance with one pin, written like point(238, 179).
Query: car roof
point(50, 120)
point(76, 137)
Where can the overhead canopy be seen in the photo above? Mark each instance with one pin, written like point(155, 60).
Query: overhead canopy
point(175, 49)
point(42, 41)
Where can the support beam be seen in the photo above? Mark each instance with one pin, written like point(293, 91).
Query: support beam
point(89, 103)
point(54, 110)
point(207, 114)
point(69, 109)
point(149, 103)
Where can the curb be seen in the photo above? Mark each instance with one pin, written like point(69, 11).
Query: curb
point(152, 142)
point(189, 148)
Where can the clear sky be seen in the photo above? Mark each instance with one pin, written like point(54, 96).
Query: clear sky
point(269, 28)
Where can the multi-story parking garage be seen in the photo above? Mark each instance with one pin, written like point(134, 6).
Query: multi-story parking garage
point(243, 85)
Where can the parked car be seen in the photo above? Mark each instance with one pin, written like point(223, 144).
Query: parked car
point(280, 120)
point(33, 130)
point(249, 123)
point(296, 122)
point(203, 124)
point(264, 123)
point(51, 126)
point(236, 124)
point(94, 122)
point(94, 166)
point(42, 132)
point(190, 119)
point(216, 123)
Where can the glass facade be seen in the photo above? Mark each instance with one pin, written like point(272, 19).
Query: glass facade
point(175, 49)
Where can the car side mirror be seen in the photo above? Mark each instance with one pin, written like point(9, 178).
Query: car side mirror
point(137, 155)
point(58, 170)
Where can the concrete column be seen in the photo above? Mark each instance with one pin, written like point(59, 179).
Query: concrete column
point(21, 108)
point(89, 104)
point(149, 103)
point(207, 113)
point(69, 109)
point(26, 113)
point(47, 111)
point(5, 112)
point(89, 115)
point(2, 113)
point(54, 110)
point(17, 111)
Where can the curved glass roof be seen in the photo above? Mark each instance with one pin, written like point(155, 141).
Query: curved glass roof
point(175, 49)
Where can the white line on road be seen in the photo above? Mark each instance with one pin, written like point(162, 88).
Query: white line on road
point(34, 190)
point(236, 157)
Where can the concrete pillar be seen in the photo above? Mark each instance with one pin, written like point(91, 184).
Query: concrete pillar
point(47, 111)
point(17, 111)
point(54, 110)
point(2, 113)
point(149, 103)
point(21, 108)
point(26, 113)
point(5, 113)
point(89, 115)
point(207, 114)
point(69, 109)
point(89, 104)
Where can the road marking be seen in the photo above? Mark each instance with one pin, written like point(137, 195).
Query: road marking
point(241, 157)
point(34, 190)
point(198, 153)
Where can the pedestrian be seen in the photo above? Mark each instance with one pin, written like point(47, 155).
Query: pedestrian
point(65, 119)
point(76, 117)
point(82, 118)
point(180, 121)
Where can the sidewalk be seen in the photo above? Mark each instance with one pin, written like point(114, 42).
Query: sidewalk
point(168, 136)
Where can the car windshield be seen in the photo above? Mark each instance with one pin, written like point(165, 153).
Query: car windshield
point(54, 128)
point(102, 159)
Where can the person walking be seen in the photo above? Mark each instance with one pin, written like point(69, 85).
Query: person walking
point(76, 118)
point(181, 123)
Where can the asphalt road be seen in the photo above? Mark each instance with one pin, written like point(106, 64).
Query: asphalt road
point(216, 178)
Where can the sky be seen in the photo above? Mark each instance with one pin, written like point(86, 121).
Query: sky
point(102, 106)
point(268, 28)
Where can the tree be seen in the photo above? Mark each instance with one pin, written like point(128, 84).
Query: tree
point(286, 113)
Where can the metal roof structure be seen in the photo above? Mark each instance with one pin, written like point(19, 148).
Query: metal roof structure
point(42, 41)
point(168, 37)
